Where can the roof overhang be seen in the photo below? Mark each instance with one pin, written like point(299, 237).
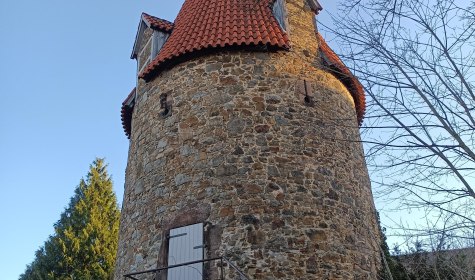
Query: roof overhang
point(337, 68)
point(315, 6)
point(126, 112)
point(193, 33)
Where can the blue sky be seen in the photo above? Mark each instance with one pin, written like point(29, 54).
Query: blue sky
point(64, 72)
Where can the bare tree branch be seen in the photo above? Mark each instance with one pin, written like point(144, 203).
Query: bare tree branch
point(416, 61)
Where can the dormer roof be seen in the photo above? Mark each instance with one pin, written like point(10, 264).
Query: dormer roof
point(148, 21)
point(315, 6)
point(157, 23)
point(204, 25)
point(213, 24)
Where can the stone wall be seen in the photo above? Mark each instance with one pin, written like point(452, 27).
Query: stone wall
point(285, 181)
point(278, 177)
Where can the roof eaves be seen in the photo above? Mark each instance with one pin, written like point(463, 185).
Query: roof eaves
point(179, 45)
point(343, 73)
point(315, 6)
point(157, 23)
point(137, 39)
point(158, 65)
point(126, 112)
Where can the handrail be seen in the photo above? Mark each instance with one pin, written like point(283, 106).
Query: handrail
point(235, 268)
point(169, 267)
point(156, 270)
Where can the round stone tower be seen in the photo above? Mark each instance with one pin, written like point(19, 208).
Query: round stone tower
point(244, 125)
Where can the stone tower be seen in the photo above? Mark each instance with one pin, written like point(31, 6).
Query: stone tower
point(244, 125)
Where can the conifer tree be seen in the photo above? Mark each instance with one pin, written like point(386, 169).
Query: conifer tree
point(86, 235)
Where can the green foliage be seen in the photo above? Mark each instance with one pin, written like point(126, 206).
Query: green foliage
point(396, 269)
point(86, 236)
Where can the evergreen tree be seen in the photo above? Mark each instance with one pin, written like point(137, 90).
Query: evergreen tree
point(392, 267)
point(86, 235)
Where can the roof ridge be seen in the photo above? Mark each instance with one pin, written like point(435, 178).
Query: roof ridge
point(157, 23)
point(155, 17)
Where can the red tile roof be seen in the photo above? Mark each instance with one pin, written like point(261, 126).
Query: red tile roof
point(212, 24)
point(343, 73)
point(126, 113)
point(158, 23)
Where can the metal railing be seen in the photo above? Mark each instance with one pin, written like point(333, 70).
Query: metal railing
point(211, 273)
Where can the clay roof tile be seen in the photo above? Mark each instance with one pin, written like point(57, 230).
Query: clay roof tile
point(333, 62)
point(158, 23)
point(213, 24)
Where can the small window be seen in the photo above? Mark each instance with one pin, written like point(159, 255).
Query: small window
point(186, 245)
point(279, 13)
point(165, 105)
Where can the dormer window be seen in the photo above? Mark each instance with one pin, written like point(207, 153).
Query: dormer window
point(280, 13)
point(151, 36)
point(158, 40)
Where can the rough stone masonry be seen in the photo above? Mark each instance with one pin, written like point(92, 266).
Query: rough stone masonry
point(264, 148)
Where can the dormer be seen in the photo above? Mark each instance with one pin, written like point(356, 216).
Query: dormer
point(315, 6)
point(281, 14)
point(151, 35)
point(264, 26)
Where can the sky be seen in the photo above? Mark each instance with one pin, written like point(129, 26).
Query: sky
point(65, 69)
